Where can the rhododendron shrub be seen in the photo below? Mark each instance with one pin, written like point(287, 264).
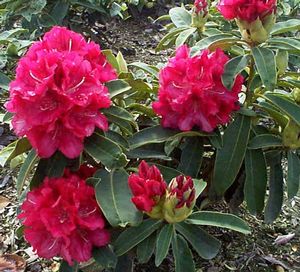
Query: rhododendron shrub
point(192, 94)
point(58, 92)
point(62, 218)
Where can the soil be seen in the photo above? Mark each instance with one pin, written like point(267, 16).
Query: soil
point(137, 39)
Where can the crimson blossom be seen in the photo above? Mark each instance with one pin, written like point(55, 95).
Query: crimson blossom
point(148, 188)
point(192, 94)
point(247, 10)
point(62, 218)
point(201, 6)
point(58, 92)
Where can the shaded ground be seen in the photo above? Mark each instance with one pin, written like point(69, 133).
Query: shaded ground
point(137, 39)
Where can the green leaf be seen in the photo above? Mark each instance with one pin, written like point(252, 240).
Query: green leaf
point(232, 68)
point(286, 105)
point(105, 151)
point(25, 169)
point(265, 141)
point(105, 257)
point(134, 235)
point(182, 254)
point(56, 165)
point(122, 63)
point(220, 40)
point(146, 248)
point(184, 35)
point(289, 44)
point(289, 25)
point(145, 67)
point(156, 134)
point(167, 172)
point(111, 59)
point(144, 153)
point(256, 181)
point(60, 11)
point(163, 243)
point(204, 244)
point(4, 81)
point(199, 185)
point(169, 39)
point(191, 156)
point(117, 87)
point(275, 200)
point(114, 198)
point(266, 66)
point(230, 157)
point(124, 264)
point(180, 17)
point(217, 219)
point(293, 176)
point(13, 150)
point(117, 138)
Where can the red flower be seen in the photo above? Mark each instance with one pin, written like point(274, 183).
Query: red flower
point(58, 92)
point(191, 92)
point(201, 6)
point(246, 10)
point(62, 218)
point(148, 187)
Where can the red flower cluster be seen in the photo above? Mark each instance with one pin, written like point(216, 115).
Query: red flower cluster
point(147, 187)
point(246, 10)
point(62, 218)
point(192, 93)
point(201, 6)
point(58, 92)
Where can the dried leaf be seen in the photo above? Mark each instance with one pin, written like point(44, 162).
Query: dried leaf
point(12, 263)
point(3, 202)
point(272, 260)
point(283, 239)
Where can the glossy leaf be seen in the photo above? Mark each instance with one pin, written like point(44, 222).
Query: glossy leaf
point(105, 257)
point(182, 254)
point(146, 248)
point(285, 26)
point(163, 243)
point(204, 244)
point(105, 151)
point(167, 172)
point(191, 156)
point(124, 264)
point(199, 185)
point(289, 44)
point(232, 68)
point(293, 176)
point(25, 170)
point(230, 157)
point(265, 141)
point(275, 200)
point(56, 165)
point(256, 181)
point(144, 153)
point(117, 87)
point(184, 35)
point(180, 17)
point(217, 219)
point(266, 66)
point(145, 67)
point(114, 198)
point(286, 105)
point(212, 42)
point(122, 63)
point(134, 235)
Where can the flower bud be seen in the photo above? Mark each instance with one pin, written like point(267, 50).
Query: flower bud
point(180, 199)
point(148, 189)
point(199, 14)
point(291, 135)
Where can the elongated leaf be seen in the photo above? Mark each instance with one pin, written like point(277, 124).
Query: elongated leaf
point(163, 243)
point(293, 178)
point(275, 199)
point(117, 87)
point(182, 254)
point(232, 68)
point(266, 66)
point(105, 151)
point(156, 134)
point(289, 44)
point(117, 138)
point(111, 59)
point(212, 42)
point(265, 141)
point(105, 257)
point(184, 35)
point(144, 153)
point(256, 181)
point(169, 39)
point(122, 63)
point(199, 185)
point(217, 219)
point(4, 81)
point(114, 198)
point(289, 25)
point(145, 249)
point(25, 169)
point(56, 165)
point(180, 17)
point(124, 264)
point(285, 105)
point(167, 172)
point(134, 235)
point(204, 244)
point(230, 157)
point(145, 67)
point(59, 11)
point(191, 157)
